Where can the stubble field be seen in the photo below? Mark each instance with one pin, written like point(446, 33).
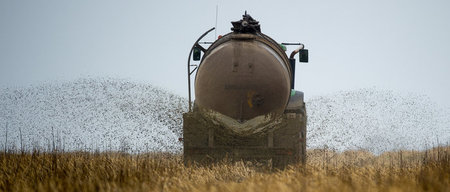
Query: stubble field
point(325, 170)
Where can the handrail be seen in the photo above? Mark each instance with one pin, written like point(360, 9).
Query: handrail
point(189, 72)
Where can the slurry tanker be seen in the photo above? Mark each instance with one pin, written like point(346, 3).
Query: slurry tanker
point(245, 104)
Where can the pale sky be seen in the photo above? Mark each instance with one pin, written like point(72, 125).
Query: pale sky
point(388, 44)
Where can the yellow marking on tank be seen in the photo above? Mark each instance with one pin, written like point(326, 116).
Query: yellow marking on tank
point(250, 98)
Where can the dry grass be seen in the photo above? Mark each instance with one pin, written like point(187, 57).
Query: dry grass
point(325, 171)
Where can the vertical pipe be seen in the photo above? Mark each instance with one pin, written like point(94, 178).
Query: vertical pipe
point(189, 78)
point(292, 62)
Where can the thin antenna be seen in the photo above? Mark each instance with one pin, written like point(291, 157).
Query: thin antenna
point(215, 31)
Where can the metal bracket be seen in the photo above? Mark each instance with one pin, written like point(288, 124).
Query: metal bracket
point(292, 43)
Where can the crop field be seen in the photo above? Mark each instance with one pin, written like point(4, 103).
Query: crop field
point(325, 170)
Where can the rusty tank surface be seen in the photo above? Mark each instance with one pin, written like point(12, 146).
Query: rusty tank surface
point(245, 106)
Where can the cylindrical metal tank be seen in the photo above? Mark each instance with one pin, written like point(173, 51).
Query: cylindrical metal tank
point(243, 76)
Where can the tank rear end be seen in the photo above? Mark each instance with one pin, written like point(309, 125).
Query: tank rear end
point(242, 77)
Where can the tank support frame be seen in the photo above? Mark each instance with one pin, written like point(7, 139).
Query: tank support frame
point(205, 142)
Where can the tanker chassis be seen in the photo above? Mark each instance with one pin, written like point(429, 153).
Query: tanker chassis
point(245, 104)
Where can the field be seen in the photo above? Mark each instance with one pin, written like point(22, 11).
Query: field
point(325, 170)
